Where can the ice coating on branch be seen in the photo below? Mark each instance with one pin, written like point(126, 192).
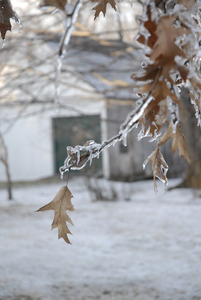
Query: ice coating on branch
point(78, 156)
point(133, 118)
point(71, 14)
point(57, 82)
point(125, 140)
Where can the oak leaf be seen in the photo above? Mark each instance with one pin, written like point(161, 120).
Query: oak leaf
point(6, 13)
point(165, 49)
point(159, 166)
point(61, 203)
point(178, 140)
point(156, 80)
point(101, 6)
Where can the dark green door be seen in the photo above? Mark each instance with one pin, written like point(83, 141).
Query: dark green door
point(72, 131)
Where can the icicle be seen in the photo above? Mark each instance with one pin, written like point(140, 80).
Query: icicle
point(3, 44)
point(113, 143)
point(145, 163)
point(125, 140)
point(90, 156)
point(57, 81)
point(61, 174)
point(70, 21)
point(78, 154)
point(142, 134)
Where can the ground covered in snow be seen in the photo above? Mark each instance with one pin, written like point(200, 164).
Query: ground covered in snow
point(140, 247)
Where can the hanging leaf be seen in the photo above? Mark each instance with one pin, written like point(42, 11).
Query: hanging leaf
point(159, 166)
point(178, 140)
point(6, 13)
point(101, 6)
point(61, 203)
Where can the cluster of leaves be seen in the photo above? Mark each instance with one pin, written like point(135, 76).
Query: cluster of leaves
point(169, 44)
point(171, 63)
point(169, 40)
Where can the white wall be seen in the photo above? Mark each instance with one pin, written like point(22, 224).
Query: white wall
point(30, 139)
point(30, 149)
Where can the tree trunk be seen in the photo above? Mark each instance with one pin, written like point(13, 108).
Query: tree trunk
point(9, 183)
point(192, 134)
point(4, 160)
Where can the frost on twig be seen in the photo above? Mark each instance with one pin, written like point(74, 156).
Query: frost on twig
point(78, 156)
point(71, 14)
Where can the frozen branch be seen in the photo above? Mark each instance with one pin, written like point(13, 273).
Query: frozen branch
point(79, 155)
point(71, 18)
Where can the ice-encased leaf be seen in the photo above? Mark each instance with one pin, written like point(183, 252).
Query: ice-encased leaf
point(178, 142)
point(159, 166)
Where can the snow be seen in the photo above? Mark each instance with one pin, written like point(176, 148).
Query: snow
point(144, 246)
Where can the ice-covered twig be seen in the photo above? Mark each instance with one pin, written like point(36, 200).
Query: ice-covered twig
point(71, 17)
point(79, 155)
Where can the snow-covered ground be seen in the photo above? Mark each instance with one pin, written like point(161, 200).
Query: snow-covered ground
point(143, 246)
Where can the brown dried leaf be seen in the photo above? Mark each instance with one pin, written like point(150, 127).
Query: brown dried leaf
point(178, 140)
point(61, 203)
point(159, 166)
point(157, 75)
point(6, 13)
point(101, 6)
point(150, 25)
point(60, 4)
point(165, 49)
point(153, 118)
